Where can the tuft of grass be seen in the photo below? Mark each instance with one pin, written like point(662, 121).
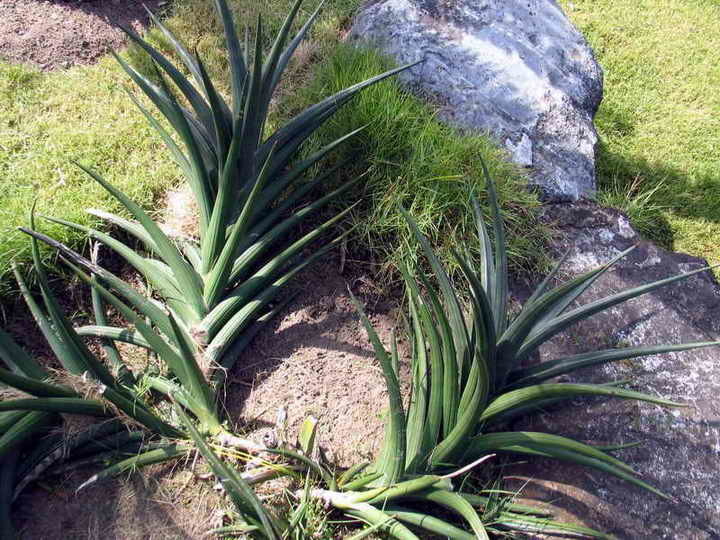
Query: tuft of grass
point(640, 203)
point(417, 162)
point(660, 118)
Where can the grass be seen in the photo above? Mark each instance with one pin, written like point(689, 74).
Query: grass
point(83, 114)
point(412, 158)
point(659, 127)
point(46, 120)
point(659, 122)
point(415, 161)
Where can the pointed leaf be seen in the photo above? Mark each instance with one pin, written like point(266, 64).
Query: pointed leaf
point(394, 463)
point(553, 368)
point(558, 324)
point(240, 492)
point(531, 394)
point(188, 281)
point(151, 457)
point(34, 387)
point(17, 359)
point(69, 405)
point(238, 69)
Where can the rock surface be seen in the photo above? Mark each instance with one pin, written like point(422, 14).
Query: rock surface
point(680, 453)
point(519, 70)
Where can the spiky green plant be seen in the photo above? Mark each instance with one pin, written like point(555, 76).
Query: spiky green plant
point(390, 508)
point(468, 376)
point(33, 443)
point(206, 297)
point(18, 428)
point(217, 290)
point(455, 402)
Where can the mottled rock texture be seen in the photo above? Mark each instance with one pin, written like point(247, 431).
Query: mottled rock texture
point(680, 453)
point(519, 70)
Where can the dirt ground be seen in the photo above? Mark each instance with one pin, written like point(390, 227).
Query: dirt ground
point(54, 34)
point(317, 361)
point(158, 503)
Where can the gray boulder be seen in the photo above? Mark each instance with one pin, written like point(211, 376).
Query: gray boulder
point(518, 70)
point(680, 451)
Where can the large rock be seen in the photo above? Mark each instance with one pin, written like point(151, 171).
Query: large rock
point(519, 70)
point(680, 453)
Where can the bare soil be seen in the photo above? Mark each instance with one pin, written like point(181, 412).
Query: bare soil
point(55, 34)
point(318, 361)
point(157, 503)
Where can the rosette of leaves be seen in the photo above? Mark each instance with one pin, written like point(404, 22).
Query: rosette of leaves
point(468, 377)
point(210, 295)
point(127, 425)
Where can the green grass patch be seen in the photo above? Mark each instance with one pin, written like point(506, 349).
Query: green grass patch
point(49, 119)
point(414, 160)
point(659, 122)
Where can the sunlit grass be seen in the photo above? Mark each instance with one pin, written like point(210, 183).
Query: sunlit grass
point(49, 119)
point(418, 162)
point(660, 118)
